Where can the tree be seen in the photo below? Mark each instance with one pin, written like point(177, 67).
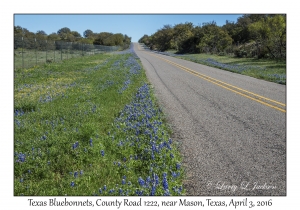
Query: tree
point(65, 30)
point(64, 33)
point(270, 33)
point(101, 38)
point(76, 34)
point(41, 32)
point(144, 39)
point(162, 39)
point(87, 33)
point(53, 36)
point(182, 32)
point(214, 39)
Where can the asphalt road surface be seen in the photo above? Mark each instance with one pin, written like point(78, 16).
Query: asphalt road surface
point(231, 128)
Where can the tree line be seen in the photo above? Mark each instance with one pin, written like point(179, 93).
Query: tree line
point(67, 35)
point(252, 35)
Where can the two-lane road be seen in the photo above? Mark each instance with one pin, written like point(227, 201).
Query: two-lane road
point(231, 128)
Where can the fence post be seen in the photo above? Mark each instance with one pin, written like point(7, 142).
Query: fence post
point(46, 50)
point(71, 55)
point(60, 51)
point(35, 52)
point(22, 53)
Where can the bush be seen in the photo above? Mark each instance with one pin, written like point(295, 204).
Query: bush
point(240, 53)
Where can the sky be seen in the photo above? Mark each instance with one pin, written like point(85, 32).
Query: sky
point(133, 25)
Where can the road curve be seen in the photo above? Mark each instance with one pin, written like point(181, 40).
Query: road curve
point(231, 136)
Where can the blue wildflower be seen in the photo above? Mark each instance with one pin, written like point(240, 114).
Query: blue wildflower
point(177, 166)
point(75, 174)
point(165, 181)
point(166, 193)
point(72, 184)
point(153, 190)
point(21, 157)
point(141, 181)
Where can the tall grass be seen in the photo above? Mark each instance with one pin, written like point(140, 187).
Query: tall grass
point(91, 126)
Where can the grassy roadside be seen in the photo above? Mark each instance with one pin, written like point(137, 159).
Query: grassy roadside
point(269, 70)
point(91, 126)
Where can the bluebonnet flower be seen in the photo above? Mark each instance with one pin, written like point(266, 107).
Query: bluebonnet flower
point(123, 181)
point(19, 112)
point(72, 184)
point(177, 166)
point(153, 190)
point(75, 145)
point(81, 172)
point(100, 190)
point(18, 122)
point(179, 189)
point(91, 142)
point(165, 181)
point(138, 192)
point(75, 174)
point(166, 193)
point(21, 157)
point(141, 181)
point(148, 180)
point(102, 152)
point(104, 187)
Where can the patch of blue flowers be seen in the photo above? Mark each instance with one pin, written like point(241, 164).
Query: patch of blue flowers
point(19, 112)
point(20, 157)
point(230, 67)
point(135, 68)
point(140, 125)
point(279, 78)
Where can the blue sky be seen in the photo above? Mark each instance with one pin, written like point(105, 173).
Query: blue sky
point(134, 25)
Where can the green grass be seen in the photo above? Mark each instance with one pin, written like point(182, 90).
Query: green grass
point(73, 135)
point(265, 69)
point(29, 58)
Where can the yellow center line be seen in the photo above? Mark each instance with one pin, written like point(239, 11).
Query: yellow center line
point(217, 82)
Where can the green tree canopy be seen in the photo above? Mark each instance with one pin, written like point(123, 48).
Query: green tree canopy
point(87, 33)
